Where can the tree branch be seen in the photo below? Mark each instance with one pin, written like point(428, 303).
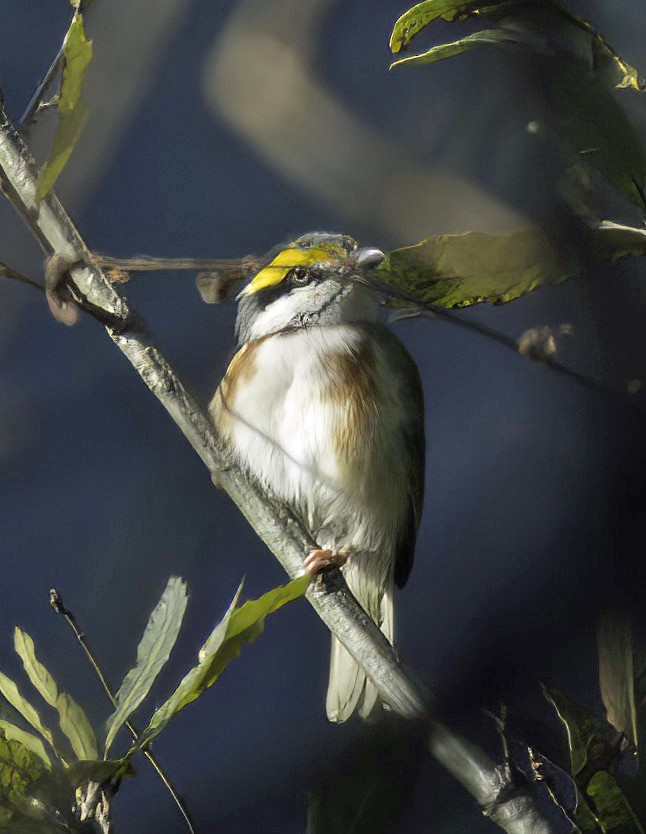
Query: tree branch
point(512, 808)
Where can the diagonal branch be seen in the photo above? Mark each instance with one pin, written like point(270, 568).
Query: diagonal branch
point(512, 807)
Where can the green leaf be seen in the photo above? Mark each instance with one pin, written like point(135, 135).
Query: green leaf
point(152, 653)
point(611, 807)
point(578, 65)
point(72, 719)
point(38, 675)
point(28, 740)
point(470, 268)
point(415, 19)
point(622, 675)
point(238, 626)
point(11, 692)
point(74, 723)
point(20, 769)
point(77, 54)
point(99, 770)
point(590, 739)
point(449, 50)
point(548, 27)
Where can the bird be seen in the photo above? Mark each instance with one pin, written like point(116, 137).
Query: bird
point(323, 406)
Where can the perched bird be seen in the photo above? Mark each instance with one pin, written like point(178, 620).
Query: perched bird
point(323, 405)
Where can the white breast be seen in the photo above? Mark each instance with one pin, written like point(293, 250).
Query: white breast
point(283, 425)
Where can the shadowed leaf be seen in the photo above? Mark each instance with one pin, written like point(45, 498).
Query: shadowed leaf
point(611, 807)
point(99, 770)
point(622, 675)
point(365, 787)
point(153, 651)
point(579, 64)
point(28, 740)
point(590, 739)
point(20, 769)
point(77, 54)
point(238, 626)
point(469, 268)
point(546, 26)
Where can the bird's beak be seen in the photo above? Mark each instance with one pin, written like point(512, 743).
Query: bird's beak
point(369, 256)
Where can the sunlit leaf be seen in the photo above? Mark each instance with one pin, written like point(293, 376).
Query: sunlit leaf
point(469, 268)
point(74, 723)
point(11, 692)
point(238, 626)
point(77, 54)
point(37, 673)
point(449, 50)
point(72, 719)
point(28, 740)
point(152, 653)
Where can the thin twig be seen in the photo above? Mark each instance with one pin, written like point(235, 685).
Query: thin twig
point(429, 310)
point(41, 89)
point(415, 307)
point(146, 263)
point(514, 810)
point(8, 272)
point(56, 602)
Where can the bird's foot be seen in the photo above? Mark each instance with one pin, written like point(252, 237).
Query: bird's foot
point(60, 297)
point(319, 559)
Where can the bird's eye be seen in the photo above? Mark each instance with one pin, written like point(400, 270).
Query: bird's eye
point(299, 275)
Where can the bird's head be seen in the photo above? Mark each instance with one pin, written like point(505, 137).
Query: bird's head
point(306, 283)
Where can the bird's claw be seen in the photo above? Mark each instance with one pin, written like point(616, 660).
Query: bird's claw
point(319, 559)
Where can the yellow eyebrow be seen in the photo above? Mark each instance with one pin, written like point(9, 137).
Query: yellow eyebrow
point(283, 263)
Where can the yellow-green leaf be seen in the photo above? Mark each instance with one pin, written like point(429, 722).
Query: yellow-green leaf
point(77, 54)
point(38, 675)
point(28, 740)
point(74, 723)
point(472, 267)
point(152, 653)
point(238, 626)
point(72, 719)
point(448, 50)
point(11, 692)
point(415, 19)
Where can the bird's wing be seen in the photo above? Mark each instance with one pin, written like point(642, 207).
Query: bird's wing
point(415, 449)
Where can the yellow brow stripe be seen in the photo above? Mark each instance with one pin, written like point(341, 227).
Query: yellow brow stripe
point(283, 263)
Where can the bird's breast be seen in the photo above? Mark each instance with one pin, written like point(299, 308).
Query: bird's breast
point(312, 413)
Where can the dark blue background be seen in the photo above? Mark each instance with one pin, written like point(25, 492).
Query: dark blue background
point(102, 496)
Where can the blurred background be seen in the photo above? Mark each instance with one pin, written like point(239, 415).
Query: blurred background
point(219, 129)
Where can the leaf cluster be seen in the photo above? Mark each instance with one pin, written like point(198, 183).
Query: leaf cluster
point(44, 772)
point(605, 753)
point(583, 120)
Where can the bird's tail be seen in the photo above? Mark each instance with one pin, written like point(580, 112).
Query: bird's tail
point(349, 689)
